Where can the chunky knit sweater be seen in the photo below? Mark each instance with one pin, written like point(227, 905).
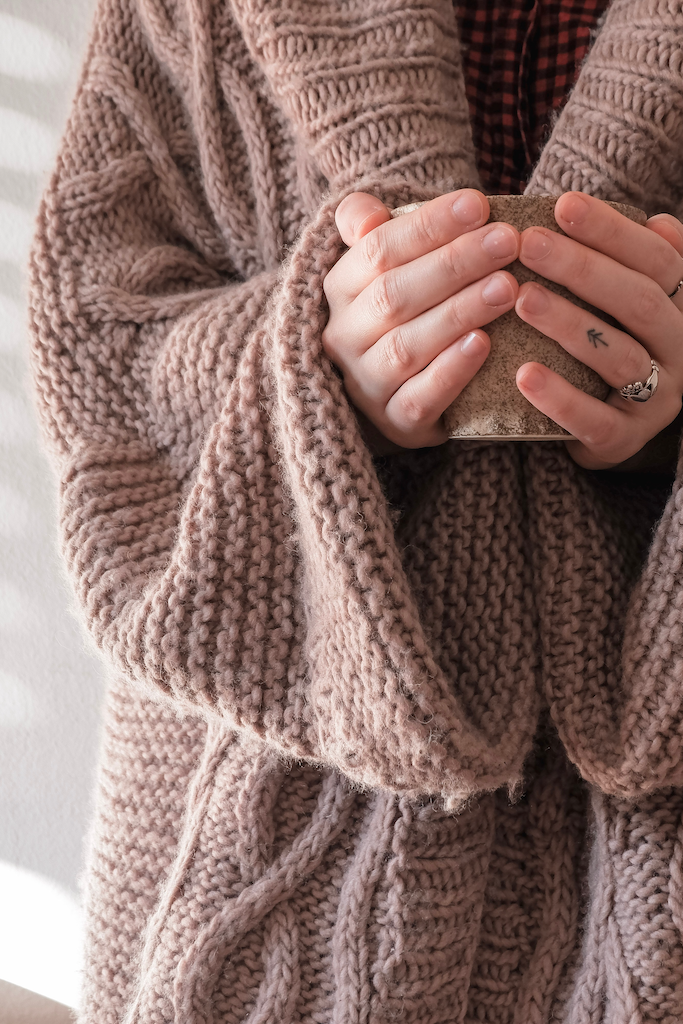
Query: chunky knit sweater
point(385, 740)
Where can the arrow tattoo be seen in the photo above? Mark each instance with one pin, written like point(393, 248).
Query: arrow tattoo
point(596, 336)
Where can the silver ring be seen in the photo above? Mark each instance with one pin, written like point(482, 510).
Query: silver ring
point(677, 288)
point(640, 392)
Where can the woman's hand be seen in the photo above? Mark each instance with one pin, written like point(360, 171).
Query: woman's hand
point(628, 270)
point(407, 303)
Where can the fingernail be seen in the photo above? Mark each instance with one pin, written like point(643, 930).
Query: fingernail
point(533, 379)
point(472, 344)
point(500, 242)
point(535, 300)
point(574, 209)
point(535, 245)
point(497, 291)
point(468, 208)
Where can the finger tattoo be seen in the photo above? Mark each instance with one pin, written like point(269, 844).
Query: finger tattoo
point(596, 336)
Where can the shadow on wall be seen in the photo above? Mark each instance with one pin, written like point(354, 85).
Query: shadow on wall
point(50, 683)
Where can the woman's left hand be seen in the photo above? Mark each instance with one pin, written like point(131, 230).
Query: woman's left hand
point(627, 270)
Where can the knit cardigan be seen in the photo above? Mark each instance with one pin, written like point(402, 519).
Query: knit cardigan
point(386, 739)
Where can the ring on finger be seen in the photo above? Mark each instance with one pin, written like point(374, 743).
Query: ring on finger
point(642, 391)
point(676, 289)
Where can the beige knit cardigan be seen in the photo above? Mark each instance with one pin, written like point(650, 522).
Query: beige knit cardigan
point(390, 740)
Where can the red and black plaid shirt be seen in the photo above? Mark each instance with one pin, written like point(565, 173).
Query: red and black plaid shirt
point(520, 57)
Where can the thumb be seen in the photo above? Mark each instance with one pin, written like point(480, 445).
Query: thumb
point(358, 214)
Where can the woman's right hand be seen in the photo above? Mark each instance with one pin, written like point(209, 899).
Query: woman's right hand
point(407, 303)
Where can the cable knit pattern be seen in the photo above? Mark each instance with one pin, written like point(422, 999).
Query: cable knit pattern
point(385, 740)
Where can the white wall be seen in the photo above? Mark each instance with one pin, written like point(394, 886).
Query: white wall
point(50, 683)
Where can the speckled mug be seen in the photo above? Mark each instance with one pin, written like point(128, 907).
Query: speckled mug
point(491, 406)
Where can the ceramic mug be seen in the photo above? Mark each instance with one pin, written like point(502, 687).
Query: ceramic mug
point(491, 406)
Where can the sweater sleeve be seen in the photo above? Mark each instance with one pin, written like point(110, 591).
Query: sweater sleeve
point(607, 562)
point(222, 522)
point(611, 608)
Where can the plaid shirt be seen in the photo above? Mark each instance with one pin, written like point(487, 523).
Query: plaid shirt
point(520, 57)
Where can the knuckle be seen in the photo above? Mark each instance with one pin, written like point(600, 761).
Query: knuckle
point(612, 231)
point(441, 380)
point(384, 299)
point(453, 262)
point(374, 250)
point(425, 229)
point(633, 366)
point(413, 411)
point(562, 410)
point(415, 414)
point(647, 302)
point(583, 269)
point(396, 352)
point(601, 437)
point(461, 314)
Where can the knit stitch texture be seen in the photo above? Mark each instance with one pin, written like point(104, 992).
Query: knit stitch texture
point(395, 740)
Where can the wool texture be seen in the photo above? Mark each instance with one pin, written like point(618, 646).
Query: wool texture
point(394, 739)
